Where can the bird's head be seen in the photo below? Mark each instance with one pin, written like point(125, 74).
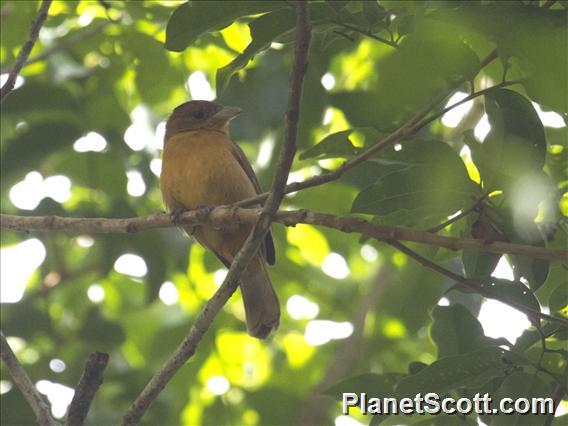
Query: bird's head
point(195, 115)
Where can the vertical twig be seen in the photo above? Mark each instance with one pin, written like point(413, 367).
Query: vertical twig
point(89, 383)
point(24, 383)
point(26, 49)
point(188, 346)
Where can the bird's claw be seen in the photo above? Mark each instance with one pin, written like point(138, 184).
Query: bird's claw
point(176, 213)
point(204, 211)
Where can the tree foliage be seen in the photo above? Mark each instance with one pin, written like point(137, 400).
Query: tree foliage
point(107, 76)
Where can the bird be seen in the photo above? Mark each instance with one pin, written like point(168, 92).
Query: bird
point(203, 167)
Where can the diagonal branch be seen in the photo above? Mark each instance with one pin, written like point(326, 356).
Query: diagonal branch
point(226, 215)
point(476, 286)
point(26, 49)
point(68, 42)
point(460, 215)
point(189, 345)
point(368, 34)
point(89, 383)
point(406, 131)
point(24, 383)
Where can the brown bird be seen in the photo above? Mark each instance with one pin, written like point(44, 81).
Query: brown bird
point(202, 166)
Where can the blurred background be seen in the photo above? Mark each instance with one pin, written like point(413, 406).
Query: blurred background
point(82, 135)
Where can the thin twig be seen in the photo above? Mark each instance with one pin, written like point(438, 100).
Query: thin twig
point(67, 42)
point(459, 216)
point(188, 346)
point(557, 395)
point(26, 49)
point(89, 383)
point(468, 98)
point(476, 286)
point(226, 215)
point(548, 4)
point(406, 131)
point(368, 34)
point(24, 383)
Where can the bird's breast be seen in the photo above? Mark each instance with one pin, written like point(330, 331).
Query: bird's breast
point(199, 168)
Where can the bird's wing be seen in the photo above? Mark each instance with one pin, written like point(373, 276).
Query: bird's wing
point(268, 246)
point(243, 161)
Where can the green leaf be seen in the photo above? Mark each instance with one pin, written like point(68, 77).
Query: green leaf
point(39, 98)
point(479, 264)
point(559, 297)
point(409, 77)
point(456, 331)
point(535, 271)
point(263, 31)
point(333, 145)
point(513, 291)
point(515, 148)
point(266, 29)
point(191, 20)
point(522, 385)
point(540, 54)
point(425, 180)
point(454, 372)
point(531, 336)
point(150, 55)
point(14, 31)
point(363, 108)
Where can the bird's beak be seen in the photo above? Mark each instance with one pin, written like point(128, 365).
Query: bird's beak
point(227, 113)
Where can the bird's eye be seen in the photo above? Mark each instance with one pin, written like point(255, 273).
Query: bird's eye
point(199, 114)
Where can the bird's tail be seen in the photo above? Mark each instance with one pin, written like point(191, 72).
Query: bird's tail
point(262, 308)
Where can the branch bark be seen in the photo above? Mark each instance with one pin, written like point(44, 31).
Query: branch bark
point(479, 287)
point(24, 383)
point(226, 215)
point(406, 131)
point(26, 49)
point(205, 318)
point(89, 383)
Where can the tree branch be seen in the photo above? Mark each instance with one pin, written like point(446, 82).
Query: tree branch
point(88, 385)
point(225, 216)
point(24, 383)
point(26, 49)
point(477, 287)
point(459, 216)
point(406, 131)
point(368, 34)
point(67, 42)
point(188, 346)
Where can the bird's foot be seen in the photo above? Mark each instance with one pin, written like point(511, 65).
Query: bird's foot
point(176, 213)
point(204, 211)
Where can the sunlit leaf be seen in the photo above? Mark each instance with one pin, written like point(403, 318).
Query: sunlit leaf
point(425, 178)
point(334, 145)
point(191, 20)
